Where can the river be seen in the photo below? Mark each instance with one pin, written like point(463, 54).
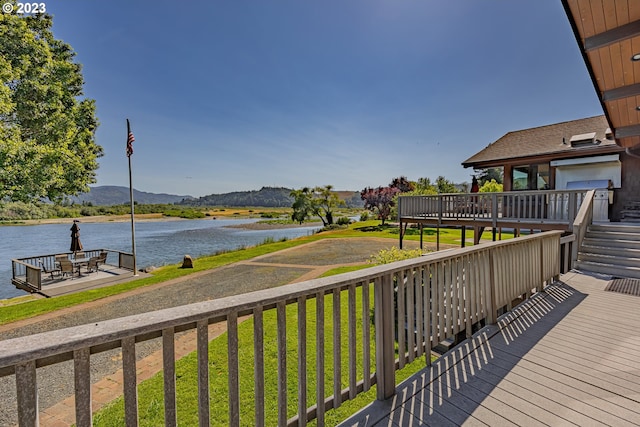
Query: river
point(158, 243)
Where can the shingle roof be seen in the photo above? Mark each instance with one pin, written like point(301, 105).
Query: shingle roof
point(544, 140)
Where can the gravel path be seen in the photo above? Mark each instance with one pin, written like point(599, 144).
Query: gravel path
point(56, 382)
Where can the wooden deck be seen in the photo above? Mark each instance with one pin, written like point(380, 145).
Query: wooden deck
point(107, 275)
point(567, 356)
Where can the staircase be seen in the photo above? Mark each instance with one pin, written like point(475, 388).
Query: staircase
point(631, 212)
point(612, 249)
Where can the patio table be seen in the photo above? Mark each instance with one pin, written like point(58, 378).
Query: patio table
point(79, 262)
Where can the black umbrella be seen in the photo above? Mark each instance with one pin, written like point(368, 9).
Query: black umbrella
point(76, 245)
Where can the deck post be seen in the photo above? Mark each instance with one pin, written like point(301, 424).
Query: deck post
point(491, 302)
point(385, 343)
point(463, 236)
point(421, 230)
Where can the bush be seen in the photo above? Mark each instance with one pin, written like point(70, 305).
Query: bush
point(491, 187)
point(364, 216)
point(386, 256)
point(331, 227)
point(343, 220)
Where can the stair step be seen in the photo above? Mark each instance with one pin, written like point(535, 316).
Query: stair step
point(612, 270)
point(632, 205)
point(613, 235)
point(615, 227)
point(608, 250)
point(611, 243)
point(610, 259)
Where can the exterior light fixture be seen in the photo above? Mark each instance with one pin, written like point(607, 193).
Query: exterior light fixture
point(636, 57)
point(638, 108)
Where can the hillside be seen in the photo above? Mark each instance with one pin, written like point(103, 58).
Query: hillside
point(107, 195)
point(269, 197)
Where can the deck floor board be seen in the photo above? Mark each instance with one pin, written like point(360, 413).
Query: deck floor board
point(568, 356)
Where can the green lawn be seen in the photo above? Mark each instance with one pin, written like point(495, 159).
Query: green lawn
point(150, 392)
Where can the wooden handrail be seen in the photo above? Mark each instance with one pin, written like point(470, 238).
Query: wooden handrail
point(417, 304)
point(582, 221)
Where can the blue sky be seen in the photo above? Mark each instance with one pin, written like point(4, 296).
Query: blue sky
point(235, 95)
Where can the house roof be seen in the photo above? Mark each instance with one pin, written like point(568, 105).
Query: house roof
point(608, 34)
point(552, 140)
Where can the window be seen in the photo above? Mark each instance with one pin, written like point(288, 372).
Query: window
point(530, 177)
point(520, 178)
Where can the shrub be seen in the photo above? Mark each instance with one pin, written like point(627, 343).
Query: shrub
point(343, 220)
point(491, 187)
point(386, 256)
point(331, 227)
point(364, 216)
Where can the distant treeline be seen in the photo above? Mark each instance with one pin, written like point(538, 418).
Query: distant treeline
point(269, 197)
point(14, 211)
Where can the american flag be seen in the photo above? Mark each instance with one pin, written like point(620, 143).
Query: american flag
point(130, 140)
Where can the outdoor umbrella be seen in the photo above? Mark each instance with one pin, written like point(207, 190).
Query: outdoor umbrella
point(76, 245)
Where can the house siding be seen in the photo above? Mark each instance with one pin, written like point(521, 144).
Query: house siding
point(630, 191)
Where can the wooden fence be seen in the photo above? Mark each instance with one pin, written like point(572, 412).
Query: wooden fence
point(416, 304)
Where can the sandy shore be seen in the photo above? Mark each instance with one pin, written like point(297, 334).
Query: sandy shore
point(160, 217)
point(100, 218)
point(271, 226)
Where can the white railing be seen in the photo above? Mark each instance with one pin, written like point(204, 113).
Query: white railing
point(549, 206)
point(417, 304)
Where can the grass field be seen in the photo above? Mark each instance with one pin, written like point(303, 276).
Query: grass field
point(150, 392)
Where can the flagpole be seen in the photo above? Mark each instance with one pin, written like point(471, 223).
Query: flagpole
point(133, 228)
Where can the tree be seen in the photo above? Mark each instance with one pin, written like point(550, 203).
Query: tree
point(324, 202)
point(47, 133)
point(380, 199)
point(443, 185)
point(402, 184)
point(491, 187)
point(486, 175)
point(301, 204)
point(319, 201)
point(424, 187)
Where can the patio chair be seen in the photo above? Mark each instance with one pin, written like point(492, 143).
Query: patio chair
point(59, 257)
point(103, 258)
point(93, 264)
point(66, 267)
point(53, 271)
point(79, 255)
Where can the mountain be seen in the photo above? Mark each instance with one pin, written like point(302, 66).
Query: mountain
point(268, 197)
point(106, 195)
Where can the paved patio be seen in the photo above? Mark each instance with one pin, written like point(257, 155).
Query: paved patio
point(569, 356)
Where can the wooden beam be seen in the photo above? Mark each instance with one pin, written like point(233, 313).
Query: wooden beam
point(621, 92)
point(627, 131)
point(612, 36)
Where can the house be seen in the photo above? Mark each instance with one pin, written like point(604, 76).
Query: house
point(569, 155)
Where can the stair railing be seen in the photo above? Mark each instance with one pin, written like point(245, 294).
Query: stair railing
point(583, 220)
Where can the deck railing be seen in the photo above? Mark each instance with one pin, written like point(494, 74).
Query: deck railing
point(558, 206)
point(416, 304)
point(27, 272)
